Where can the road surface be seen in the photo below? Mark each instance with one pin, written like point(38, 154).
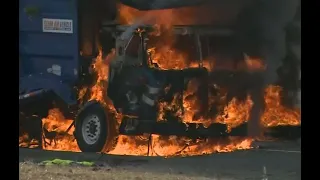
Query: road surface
point(280, 161)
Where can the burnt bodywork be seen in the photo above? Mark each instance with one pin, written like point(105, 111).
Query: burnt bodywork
point(129, 83)
point(145, 118)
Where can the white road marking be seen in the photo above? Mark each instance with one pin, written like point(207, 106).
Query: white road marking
point(279, 150)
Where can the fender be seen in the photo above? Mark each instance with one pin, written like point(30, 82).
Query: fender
point(89, 103)
point(86, 105)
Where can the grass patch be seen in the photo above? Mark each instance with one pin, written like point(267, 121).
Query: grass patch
point(62, 162)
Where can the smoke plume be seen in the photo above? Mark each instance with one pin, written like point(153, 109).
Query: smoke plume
point(262, 27)
point(142, 20)
point(262, 31)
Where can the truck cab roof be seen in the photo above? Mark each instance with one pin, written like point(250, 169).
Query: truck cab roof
point(161, 4)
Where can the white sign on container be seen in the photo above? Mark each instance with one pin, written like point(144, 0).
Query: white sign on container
point(57, 25)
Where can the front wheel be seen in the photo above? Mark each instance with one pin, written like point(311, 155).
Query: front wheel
point(93, 130)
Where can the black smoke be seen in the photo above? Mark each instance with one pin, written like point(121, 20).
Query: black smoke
point(261, 29)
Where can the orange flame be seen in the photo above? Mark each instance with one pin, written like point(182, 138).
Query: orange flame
point(177, 146)
point(59, 140)
point(275, 113)
point(233, 114)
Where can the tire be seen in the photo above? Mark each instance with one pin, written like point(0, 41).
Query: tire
point(101, 136)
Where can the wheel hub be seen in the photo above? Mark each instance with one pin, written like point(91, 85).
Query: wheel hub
point(91, 129)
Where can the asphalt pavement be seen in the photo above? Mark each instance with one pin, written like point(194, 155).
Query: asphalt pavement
point(272, 160)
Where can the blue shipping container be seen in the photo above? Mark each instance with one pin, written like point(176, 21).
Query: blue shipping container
point(48, 46)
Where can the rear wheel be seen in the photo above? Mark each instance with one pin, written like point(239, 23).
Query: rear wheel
point(95, 131)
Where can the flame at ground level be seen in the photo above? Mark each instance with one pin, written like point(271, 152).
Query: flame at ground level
point(275, 114)
point(146, 145)
point(176, 146)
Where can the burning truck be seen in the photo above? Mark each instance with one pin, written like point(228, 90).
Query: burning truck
point(152, 74)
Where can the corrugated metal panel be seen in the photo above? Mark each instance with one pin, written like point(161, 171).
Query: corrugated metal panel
point(42, 52)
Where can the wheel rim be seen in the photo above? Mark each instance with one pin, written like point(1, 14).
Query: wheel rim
point(91, 129)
